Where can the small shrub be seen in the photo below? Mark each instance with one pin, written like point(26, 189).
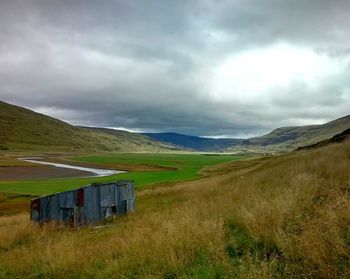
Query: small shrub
point(3, 147)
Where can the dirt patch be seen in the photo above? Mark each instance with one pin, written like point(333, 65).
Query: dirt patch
point(39, 172)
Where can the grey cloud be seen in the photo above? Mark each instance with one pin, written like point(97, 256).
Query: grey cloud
point(136, 64)
point(320, 23)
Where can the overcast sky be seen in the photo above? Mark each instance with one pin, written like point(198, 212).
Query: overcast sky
point(213, 68)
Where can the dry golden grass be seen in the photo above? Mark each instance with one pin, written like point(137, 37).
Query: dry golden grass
point(13, 203)
point(280, 217)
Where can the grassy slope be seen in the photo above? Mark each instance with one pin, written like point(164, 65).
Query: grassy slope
point(187, 167)
point(280, 217)
point(23, 129)
point(337, 138)
point(289, 138)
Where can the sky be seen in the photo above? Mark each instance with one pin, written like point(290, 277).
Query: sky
point(207, 67)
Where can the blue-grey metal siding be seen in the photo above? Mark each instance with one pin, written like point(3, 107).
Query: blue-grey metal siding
point(86, 205)
point(90, 205)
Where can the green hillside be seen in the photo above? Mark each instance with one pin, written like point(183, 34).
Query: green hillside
point(23, 129)
point(289, 138)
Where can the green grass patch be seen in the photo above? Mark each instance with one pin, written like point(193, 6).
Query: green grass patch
point(243, 248)
point(241, 244)
point(187, 168)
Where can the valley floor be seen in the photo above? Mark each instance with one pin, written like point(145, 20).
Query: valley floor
point(280, 217)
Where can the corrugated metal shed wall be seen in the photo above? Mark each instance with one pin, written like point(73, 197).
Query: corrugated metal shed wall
point(86, 205)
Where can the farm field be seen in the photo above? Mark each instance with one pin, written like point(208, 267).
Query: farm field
point(169, 168)
point(275, 217)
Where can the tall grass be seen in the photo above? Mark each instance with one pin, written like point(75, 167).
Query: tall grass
point(281, 217)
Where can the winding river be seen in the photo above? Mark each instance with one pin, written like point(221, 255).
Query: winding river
point(95, 172)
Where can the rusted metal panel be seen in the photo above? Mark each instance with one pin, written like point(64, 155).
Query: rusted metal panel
point(35, 209)
point(80, 197)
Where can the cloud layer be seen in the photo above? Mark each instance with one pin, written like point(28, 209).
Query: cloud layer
point(234, 68)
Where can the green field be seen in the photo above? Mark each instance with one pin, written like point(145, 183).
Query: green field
point(186, 167)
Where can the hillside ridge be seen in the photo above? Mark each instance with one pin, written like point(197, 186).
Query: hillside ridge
point(293, 137)
point(24, 129)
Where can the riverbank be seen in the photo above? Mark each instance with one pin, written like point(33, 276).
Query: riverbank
point(94, 171)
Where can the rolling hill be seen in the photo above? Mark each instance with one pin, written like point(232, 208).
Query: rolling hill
point(290, 138)
point(335, 139)
point(194, 142)
point(23, 129)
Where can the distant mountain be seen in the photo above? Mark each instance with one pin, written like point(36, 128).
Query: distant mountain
point(289, 138)
point(23, 129)
point(194, 142)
